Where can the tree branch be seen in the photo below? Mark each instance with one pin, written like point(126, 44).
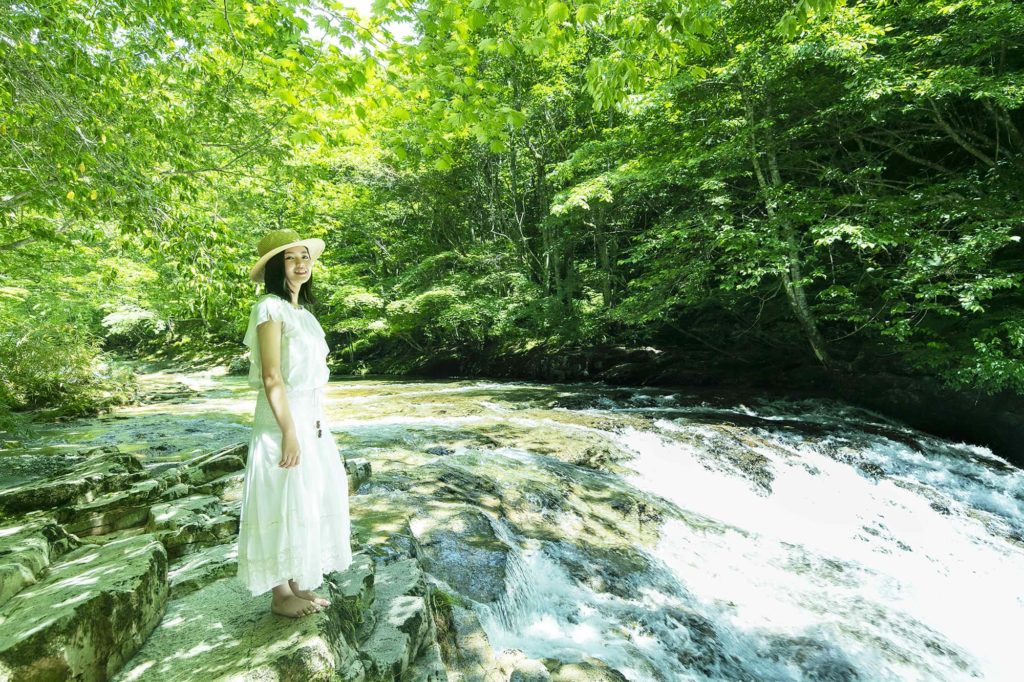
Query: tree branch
point(959, 139)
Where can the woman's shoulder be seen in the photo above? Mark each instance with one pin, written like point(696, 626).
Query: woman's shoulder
point(268, 300)
point(270, 306)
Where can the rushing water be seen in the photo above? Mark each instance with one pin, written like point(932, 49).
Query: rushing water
point(677, 536)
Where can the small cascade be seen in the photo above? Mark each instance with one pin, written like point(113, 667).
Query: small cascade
point(516, 607)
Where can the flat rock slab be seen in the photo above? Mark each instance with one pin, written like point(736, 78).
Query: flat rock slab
point(457, 544)
point(380, 522)
point(221, 632)
point(88, 615)
point(104, 470)
point(199, 569)
point(112, 511)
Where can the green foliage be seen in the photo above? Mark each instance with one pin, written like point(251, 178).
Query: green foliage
point(130, 326)
point(56, 365)
point(836, 182)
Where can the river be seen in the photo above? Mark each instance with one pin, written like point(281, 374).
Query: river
point(673, 535)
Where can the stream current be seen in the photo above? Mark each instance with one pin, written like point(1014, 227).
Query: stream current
point(673, 536)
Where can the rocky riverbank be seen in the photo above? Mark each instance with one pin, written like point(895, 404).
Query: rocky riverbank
point(110, 570)
point(113, 570)
point(995, 421)
point(517, 530)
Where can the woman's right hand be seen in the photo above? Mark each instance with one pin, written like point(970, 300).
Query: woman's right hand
point(289, 450)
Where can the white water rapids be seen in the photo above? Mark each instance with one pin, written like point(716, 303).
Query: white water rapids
point(912, 571)
point(780, 541)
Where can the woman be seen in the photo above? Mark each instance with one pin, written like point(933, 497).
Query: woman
point(295, 517)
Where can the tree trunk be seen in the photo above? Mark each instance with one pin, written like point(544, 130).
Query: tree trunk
point(792, 275)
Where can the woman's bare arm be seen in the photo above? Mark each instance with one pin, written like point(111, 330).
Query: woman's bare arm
point(269, 334)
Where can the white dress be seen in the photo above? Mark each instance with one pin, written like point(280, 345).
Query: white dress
point(294, 522)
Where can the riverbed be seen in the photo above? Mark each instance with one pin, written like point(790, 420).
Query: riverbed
point(671, 534)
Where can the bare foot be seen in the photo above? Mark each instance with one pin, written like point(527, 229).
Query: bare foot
point(307, 595)
point(292, 606)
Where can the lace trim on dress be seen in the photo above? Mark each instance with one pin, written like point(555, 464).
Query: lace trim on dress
point(247, 523)
point(262, 574)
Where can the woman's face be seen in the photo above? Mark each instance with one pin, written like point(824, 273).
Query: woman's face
point(297, 266)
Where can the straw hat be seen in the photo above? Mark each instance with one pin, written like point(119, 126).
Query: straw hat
point(277, 241)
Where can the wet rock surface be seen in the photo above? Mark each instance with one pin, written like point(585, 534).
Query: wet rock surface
point(103, 470)
point(457, 544)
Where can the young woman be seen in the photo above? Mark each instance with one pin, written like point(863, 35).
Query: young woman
point(295, 516)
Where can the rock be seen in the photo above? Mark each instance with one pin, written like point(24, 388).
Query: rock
point(222, 632)
point(814, 659)
point(189, 523)
point(429, 666)
point(456, 484)
point(705, 653)
point(113, 511)
point(529, 670)
point(90, 614)
point(26, 465)
point(380, 522)
point(175, 492)
point(195, 571)
point(27, 548)
point(219, 485)
point(105, 470)
point(588, 670)
point(404, 623)
point(210, 466)
point(352, 596)
point(604, 569)
point(456, 543)
point(595, 457)
point(474, 659)
point(358, 472)
point(438, 450)
point(173, 392)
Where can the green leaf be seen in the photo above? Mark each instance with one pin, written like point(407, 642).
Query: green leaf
point(287, 96)
point(557, 12)
point(515, 118)
point(586, 13)
point(477, 20)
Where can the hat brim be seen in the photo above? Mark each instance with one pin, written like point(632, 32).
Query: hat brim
point(315, 246)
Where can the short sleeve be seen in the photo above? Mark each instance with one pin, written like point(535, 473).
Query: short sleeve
point(267, 308)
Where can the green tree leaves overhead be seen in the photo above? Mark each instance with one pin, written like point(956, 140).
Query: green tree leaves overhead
point(779, 181)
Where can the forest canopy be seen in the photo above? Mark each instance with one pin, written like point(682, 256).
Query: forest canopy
point(818, 183)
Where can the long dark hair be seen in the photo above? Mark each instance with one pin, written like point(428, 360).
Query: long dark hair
point(273, 280)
